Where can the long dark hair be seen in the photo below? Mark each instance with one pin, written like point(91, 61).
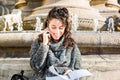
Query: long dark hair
point(62, 14)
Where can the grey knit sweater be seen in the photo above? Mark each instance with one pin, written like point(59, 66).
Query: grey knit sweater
point(43, 56)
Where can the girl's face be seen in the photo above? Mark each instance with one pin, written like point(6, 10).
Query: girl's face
point(56, 28)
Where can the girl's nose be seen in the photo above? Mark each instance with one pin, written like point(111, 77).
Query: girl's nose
point(57, 32)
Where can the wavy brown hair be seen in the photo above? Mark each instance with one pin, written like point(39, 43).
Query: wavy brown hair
point(62, 14)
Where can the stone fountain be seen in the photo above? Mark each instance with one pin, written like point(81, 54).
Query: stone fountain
point(103, 47)
point(79, 20)
point(85, 12)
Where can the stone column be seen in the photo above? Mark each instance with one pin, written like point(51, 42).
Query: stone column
point(107, 7)
point(20, 4)
point(113, 3)
point(45, 2)
point(48, 4)
point(24, 6)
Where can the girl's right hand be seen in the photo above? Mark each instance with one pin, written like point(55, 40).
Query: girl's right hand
point(46, 36)
point(67, 72)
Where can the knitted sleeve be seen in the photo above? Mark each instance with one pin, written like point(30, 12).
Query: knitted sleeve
point(38, 55)
point(76, 57)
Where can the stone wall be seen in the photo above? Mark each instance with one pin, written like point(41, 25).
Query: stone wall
point(17, 44)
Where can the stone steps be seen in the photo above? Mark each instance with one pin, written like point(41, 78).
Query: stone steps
point(101, 66)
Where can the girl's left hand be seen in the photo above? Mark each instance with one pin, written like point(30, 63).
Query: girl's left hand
point(67, 72)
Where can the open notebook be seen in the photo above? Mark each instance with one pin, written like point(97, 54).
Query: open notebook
point(76, 74)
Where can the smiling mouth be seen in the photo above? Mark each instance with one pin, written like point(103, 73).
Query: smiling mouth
point(57, 35)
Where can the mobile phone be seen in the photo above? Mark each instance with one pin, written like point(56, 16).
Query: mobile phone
point(49, 37)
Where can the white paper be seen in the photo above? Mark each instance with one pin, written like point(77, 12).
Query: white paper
point(79, 73)
point(52, 69)
point(60, 77)
point(76, 74)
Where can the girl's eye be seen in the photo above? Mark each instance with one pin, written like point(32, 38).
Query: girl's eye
point(53, 27)
point(61, 27)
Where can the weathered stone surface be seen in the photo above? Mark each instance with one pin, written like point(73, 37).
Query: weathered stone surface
point(25, 38)
point(83, 9)
point(106, 7)
point(18, 44)
point(103, 67)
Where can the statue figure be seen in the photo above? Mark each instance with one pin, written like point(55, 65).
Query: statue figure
point(38, 24)
point(96, 24)
point(17, 19)
point(13, 20)
point(8, 23)
point(110, 25)
point(75, 21)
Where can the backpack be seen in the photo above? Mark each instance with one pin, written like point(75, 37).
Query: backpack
point(19, 76)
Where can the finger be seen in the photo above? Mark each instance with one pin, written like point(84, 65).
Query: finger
point(67, 72)
point(47, 30)
point(49, 35)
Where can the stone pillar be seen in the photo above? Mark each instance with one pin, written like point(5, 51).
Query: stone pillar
point(113, 3)
point(48, 4)
point(20, 4)
point(45, 2)
point(107, 7)
point(97, 2)
point(24, 6)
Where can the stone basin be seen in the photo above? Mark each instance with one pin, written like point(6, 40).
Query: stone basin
point(17, 44)
point(83, 38)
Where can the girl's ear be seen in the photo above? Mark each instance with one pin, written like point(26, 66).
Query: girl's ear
point(45, 25)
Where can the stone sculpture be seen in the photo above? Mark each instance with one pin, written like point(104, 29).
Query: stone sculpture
point(38, 24)
point(85, 12)
point(96, 24)
point(75, 21)
point(110, 25)
point(13, 20)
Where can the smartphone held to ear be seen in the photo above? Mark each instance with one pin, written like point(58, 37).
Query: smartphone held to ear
point(48, 33)
point(46, 36)
point(49, 36)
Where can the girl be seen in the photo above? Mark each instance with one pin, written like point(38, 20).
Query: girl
point(55, 46)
